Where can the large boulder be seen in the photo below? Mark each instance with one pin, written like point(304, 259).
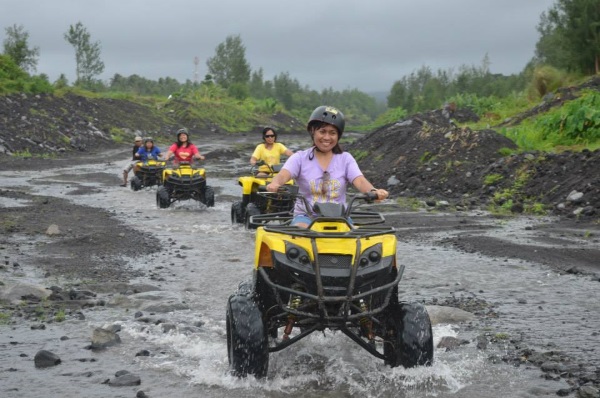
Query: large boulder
point(22, 291)
point(45, 359)
point(102, 338)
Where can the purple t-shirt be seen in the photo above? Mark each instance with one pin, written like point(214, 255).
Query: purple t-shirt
point(317, 186)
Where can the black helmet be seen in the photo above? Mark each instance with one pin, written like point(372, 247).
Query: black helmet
point(183, 131)
point(327, 114)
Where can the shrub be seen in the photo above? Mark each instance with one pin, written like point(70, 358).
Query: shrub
point(390, 116)
point(577, 122)
point(546, 79)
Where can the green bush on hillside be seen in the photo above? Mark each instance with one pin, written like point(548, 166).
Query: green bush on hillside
point(575, 125)
point(390, 116)
point(13, 79)
point(546, 79)
point(577, 122)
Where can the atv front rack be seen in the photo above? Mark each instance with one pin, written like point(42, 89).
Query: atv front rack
point(366, 223)
point(348, 312)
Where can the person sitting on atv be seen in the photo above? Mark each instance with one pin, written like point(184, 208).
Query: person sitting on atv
point(136, 146)
point(183, 149)
point(323, 171)
point(148, 151)
point(268, 152)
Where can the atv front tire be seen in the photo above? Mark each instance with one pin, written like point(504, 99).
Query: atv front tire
point(136, 183)
point(237, 212)
point(251, 210)
point(409, 339)
point(247, 345)
point(209, 196)
point(162, 197)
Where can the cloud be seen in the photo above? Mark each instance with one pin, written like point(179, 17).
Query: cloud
point(337, 43)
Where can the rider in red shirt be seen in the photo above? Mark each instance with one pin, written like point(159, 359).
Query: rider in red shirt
point(183, 149)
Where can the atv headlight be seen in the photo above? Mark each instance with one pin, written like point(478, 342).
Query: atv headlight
point(296, 254)
point(371, 256)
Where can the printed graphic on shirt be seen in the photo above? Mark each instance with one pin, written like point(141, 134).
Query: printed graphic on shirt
point(323, 190)
point(183, 154)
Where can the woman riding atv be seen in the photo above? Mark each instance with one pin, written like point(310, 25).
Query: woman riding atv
point(183, 149)
point(148, 151)
point(323, 171)
point(268, 152)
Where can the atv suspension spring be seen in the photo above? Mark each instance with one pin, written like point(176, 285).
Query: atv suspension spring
point(366, 323)
point(295, 302)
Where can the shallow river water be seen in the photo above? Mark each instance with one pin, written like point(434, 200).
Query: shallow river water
point(191, 360)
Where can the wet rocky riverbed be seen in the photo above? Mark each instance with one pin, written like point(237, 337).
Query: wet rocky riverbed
point(97, 275)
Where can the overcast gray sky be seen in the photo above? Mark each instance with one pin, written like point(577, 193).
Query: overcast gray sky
point(367, 44)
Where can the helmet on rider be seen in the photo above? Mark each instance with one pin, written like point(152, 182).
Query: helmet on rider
point(147, 140)
point(327, 114)
point(183, 131)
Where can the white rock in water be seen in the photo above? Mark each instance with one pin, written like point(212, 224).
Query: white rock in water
point(575, 197)
point(441, 314)
point(102, 338)
point(443, 203)
point(13, 293)
point(578, 211)
point(53, 230)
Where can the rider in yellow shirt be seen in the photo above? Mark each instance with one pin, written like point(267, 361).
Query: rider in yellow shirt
point(269, 152)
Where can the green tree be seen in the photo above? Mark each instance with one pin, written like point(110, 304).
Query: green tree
point(397, 96)
point(285, 89)
point(61, 82)
point(570, 36)
point(257, 85)
point(16, 46)
point(87, 54)
point(229, 65)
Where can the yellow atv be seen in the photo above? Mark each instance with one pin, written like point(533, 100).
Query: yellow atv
point(184, 182)
point(254, 202)
point(147, 174)
point(340, 274)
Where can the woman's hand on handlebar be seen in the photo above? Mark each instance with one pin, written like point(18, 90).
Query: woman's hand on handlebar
point(379, 194)
point(273, 187)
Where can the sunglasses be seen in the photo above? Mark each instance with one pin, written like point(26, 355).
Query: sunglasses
point(269, 136)
point(325, 182)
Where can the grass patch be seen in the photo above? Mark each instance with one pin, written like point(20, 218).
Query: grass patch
point(60, 315)
point(536, 208)
point(359, 154)
point(413, 204)
point(5, 318)
point(118, 135)
point(492, 179)
point(25, 154)
point(427, 157)
point(504, 151)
